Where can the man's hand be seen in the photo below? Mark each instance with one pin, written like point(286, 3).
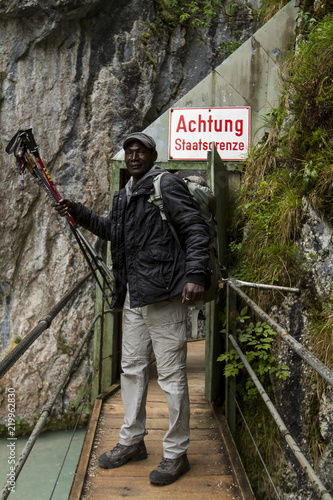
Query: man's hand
point(63, 206)
point(192, 292)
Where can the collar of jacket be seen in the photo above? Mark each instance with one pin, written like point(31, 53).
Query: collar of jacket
point(143, 186)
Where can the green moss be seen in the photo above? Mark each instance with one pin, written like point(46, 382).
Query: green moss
point(62, 344)
point(21, 428)
point(65, 422)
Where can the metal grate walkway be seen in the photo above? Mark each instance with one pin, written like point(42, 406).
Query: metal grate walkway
point(216, 471)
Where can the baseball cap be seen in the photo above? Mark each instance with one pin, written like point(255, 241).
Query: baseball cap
point(147, 140)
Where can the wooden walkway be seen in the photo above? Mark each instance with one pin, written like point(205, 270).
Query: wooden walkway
point(216, 471)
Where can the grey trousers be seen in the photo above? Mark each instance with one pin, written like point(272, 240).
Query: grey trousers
point(161, 327)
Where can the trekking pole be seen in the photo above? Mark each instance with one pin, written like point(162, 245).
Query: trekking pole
point(25, 150)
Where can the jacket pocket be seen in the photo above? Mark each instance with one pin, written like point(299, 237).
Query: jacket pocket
point(156, 266)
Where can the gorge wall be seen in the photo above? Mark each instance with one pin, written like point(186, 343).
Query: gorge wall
point(82, 74)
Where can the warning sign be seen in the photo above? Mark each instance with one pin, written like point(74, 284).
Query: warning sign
point(192, 131)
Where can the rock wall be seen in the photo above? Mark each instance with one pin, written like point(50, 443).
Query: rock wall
point(82, 74)
point(307, 411)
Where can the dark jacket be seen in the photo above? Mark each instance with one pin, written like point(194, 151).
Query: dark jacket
point(144, 251)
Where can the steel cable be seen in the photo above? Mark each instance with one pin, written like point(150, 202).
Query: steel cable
point(255, 444)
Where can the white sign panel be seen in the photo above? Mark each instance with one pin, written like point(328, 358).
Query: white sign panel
point(192, 131)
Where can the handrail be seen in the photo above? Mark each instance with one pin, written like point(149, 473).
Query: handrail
point(46, 413)
point(42, 325)
point(306, 355)
point(261, 285)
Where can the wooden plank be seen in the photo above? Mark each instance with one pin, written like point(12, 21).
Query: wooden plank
point(185, 488)
point(155, 407)
point(216, 468)
point(110, 391)
point(78, 480)
point(205, 435)
point(95, 390)
point(203, 448)
point(108, 335)
point(162, 422)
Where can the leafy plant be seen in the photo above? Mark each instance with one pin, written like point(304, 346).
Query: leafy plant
point(256, 339)
point(228, 47)
point(199, 13)
point(231, 8)
point(309, 177)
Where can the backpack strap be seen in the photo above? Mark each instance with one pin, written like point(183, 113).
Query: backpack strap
point(157, 199)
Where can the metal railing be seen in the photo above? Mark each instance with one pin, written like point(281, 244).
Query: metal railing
point(42, 325)
point(20, 349)
point(306, 355)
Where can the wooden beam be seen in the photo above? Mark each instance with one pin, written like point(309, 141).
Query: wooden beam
point(81, 469)
point(237, 466)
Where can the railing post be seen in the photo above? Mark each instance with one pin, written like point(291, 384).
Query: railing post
point(230, 382)
point(217, 177)
point(107, 334)
point(104, 364)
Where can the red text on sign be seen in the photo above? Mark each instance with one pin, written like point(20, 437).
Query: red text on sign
point(209, 125)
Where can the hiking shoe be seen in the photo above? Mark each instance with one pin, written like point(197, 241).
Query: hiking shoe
point(122, 454)
point(169, 470)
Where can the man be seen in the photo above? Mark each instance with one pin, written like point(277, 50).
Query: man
point(155, 279)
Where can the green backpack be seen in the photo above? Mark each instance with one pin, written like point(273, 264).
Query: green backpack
point(207, 201)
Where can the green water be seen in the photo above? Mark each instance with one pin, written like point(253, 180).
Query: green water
point(38, 476)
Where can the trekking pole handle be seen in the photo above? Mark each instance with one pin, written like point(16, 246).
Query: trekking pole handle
point(31, 143)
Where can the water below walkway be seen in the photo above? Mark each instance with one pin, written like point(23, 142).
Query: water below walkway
point(40, 472)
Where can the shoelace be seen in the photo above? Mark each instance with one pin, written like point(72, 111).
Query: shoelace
point(166, 462)
point(117, 448)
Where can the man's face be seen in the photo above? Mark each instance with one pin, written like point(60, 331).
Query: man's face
point(139, 159)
